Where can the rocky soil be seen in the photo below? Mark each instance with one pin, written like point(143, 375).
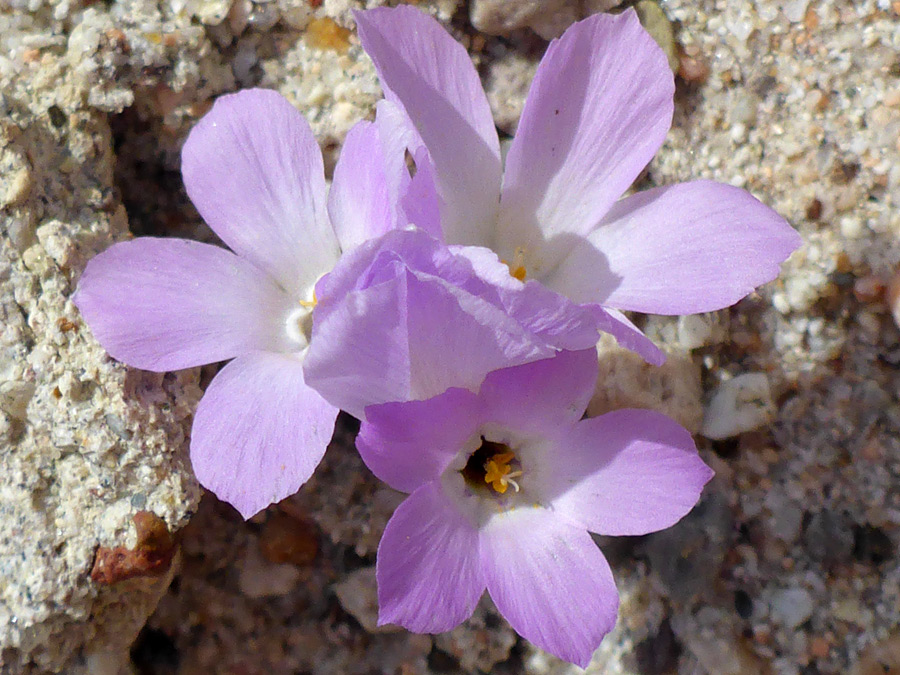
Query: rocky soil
point(787, 567)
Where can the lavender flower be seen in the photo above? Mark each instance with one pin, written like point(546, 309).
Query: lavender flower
point(506, 484)
point(405, 317)
point(254, 171)
point(599, 108)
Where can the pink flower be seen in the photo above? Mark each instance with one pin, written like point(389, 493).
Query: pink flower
point(254, 171)
point(506, 485)
point(404, 317)
point(599, 109)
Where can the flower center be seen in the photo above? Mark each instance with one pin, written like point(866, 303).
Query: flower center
point(492, 464)
point(299, 322)
point(517, 266)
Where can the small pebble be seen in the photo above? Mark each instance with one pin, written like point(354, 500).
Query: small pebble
point(819, 647)
point(795, 10)
point(791, 607)
point(814, 210)
point(741, 404)
point(786, 522)
point(698, 330)
point(880, 658)
point(285, 539)
point(872, 545)
point(324, 33)
point(357, 593)
point(260, 579)
point(655, 22)
point(893, 297)
point(868, 289)
point(693, 68)
point(828, 537)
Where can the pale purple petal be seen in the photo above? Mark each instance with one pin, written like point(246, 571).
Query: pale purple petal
point(550, 581)
point(628, 472)
point(361, 204)
point(259, 431)
point(408, 444)
point(456, 338)
point(167, 304)
point(398, 132)
point(681, 249)
point(598, 110)
point(428, 568)
point(541, 396)
point(561, 322)
point(410, 339)
point(254, 171)
point(422, 68)
point(397, 135)
point(419, 198)
point(628, 335)
point(553, 317)
point(359, 352)
point(405, 318)
point(421, 202)
point(357, 269)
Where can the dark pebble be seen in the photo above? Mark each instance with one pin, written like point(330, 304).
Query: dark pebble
point(442, 662)
point(658, 654)
point(154, 653)
point(828, 537)
point(872, 545)
point(57, 116)
point(743, 604)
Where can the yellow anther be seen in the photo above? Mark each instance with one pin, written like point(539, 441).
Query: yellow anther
point(309, 304)
point(517, 266)
point(499, 474)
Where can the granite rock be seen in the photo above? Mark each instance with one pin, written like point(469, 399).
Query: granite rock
point(743, 403)
point(547, 18)
point(625, 380)
point(88, 443)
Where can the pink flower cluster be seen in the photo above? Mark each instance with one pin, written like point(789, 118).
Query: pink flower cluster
point(453, 309)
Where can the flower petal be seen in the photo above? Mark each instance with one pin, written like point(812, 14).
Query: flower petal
point(629, 336)
point(550, 581)
point(421, 203)
point(358, 355)
point(541, 396)
point(259, 432)
point(561, 322)
point(556, 319)
point(167, 304)
point(457, 337)
point(405, 318)
point(426, 71)
point(360, 204)
point(598, 110)
point(429, 578)
point(254, 171)
point(412, 338)
point(628, 472)
point(408, 444)
point(681, 249)
point(419, 200)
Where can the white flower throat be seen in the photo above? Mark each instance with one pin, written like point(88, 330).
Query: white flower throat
point(299, 321)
